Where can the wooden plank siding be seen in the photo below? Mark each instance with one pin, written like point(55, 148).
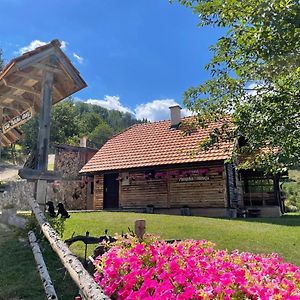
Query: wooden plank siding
point(98, 192)
point(169, 192)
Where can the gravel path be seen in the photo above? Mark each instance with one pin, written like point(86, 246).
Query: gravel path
point(8, 172)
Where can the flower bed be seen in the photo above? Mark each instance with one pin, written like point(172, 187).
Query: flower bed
point(192, 269)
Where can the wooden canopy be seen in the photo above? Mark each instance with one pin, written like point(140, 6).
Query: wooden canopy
point(21, 83)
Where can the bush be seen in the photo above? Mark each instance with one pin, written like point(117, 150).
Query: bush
point(292, 193)
point(192, 270)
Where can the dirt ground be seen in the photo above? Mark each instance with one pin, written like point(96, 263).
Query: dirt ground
point(8, 172)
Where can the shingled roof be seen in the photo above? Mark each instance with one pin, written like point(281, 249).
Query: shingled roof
point(155, 144)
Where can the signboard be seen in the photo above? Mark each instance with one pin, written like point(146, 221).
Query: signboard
point(197, 178)
point(17, 121)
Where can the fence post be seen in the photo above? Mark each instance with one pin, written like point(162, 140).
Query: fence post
point(139, 229)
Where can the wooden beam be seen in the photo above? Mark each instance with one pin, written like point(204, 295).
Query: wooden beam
point(34, 59)
point(48, 68)
point(89, 288)
point(69, 70)
point(22, 88)
point(16, 98)
point(58, 91)
point(44, 121)
point(17, 133)
point(41, 266)
point(11, 135)
point(28, 75)
point(10, 107)
point(5, 140)
point(34, 175)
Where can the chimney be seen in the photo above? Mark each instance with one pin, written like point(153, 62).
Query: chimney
point(175, 115)
point(83, 141)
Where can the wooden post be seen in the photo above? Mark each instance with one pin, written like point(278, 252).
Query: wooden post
point(139, 228)
point(89, 288)
point(44, 121)
point(44, 134)
point(41, 266)
point(41, 193)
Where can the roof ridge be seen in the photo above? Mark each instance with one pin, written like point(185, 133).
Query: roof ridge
point(53, 43)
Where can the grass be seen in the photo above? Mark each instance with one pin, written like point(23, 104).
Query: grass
point(19, 278)
point(261, 235)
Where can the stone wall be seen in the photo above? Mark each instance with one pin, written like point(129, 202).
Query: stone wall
point(72, 193)
point(17, 194)
point(71, 190)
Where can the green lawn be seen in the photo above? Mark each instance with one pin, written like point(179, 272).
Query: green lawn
point(261, 235)
point(19, 278)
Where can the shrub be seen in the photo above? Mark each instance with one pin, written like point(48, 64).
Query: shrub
point(192, 269)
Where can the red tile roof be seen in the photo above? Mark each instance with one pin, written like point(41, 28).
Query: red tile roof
point(154, 144)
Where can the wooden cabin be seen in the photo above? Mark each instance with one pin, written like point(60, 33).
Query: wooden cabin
point(151, 167)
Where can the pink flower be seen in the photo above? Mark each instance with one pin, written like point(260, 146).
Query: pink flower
point(192, 269)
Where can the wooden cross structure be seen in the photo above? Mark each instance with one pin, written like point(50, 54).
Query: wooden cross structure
point(30, 84)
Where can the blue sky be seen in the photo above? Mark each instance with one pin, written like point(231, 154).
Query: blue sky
point(136, 55)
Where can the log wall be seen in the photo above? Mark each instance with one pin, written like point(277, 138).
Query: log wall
point(98, 192)
point(141, 192)
point(172, 192)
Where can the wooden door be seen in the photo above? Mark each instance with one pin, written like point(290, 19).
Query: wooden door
point(111, 190)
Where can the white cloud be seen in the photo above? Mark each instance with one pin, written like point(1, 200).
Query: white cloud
point(34, 44)
point(37, 43)
point(63, 45)
point(157, 110)
point(78, 58)
point(110, 102)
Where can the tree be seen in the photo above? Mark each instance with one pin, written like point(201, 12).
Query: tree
point(88, 121)
point(255, 78)
point(70, 120)
point(64, 125)
point(100, 135)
